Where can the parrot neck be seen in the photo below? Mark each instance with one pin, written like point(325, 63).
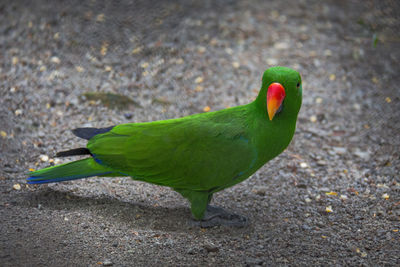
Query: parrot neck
point(272, 137)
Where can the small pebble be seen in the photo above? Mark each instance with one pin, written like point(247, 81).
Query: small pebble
point(107, 263)
point(380, 185)
point(211, 247)
point(313, 118)
point(199, 88)
point(329, 209)
point(14, 60)
point(339, 150)
point(55, 60)
point(362, 154)
point(199, 79)
point(190, 251)
point(201, 49)
point(128, 116)
point(17, 187)
point(317, 63)
point(281, 46)
point(100, 17)
point(206, 109)
point(357, 106)
point(213, 42)
point(236, 65)
point(103, 49)
point(44, 158)
point(79, 69)
point(385, 196)
point(328, 53)
point(137, 50)
point(303, 165)
point(331, 193)
point(229, 51)
point(260, 190)
point(272, 61)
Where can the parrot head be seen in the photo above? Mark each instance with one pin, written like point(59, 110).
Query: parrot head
point(280, 96)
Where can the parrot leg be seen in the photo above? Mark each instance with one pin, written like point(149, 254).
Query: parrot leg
point(206, 215)
point(216, 216)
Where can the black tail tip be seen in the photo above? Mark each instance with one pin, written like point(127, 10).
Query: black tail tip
point(74, 152)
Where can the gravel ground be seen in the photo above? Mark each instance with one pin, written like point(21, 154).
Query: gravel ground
point(332, 198)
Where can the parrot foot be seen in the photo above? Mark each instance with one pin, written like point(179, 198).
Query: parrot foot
point(216, 216)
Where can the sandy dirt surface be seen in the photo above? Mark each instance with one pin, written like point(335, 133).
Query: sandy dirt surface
point(332, 198)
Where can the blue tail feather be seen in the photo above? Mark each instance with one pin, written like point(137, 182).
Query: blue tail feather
point(34, 179)
point(69, 171)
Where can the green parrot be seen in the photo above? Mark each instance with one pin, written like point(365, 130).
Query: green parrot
point(196, 155)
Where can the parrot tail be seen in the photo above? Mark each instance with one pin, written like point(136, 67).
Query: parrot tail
point(69, 171)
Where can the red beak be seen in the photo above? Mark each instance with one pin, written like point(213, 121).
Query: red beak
point(275, 95)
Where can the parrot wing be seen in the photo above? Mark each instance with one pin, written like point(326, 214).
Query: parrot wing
point(183, 154)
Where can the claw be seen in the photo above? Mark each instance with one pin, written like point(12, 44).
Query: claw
point(216, 216)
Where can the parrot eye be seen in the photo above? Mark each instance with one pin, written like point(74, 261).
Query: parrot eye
point(298, 85)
